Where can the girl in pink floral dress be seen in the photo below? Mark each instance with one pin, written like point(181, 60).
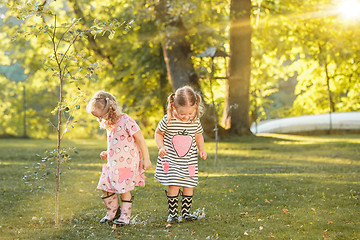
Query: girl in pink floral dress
point(127, 157)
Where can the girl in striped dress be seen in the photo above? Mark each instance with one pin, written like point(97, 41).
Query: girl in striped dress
point(178, 136)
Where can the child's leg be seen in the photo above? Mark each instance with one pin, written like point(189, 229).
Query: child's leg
point(112, 205)
point(186, 202)
point(188, 191)
point(125, 196)
point(173, 190)
point(173, 198)
point(105, 194)
point(126, 204)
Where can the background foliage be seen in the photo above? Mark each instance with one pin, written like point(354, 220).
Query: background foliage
point(305, 59)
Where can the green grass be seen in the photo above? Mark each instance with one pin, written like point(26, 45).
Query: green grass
point(264, 187)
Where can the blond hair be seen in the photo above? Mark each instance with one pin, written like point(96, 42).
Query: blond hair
point(185, 96)
point(103, 105)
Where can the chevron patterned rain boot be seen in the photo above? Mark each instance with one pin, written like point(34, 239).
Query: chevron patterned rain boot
point(173, 203)
point(113, 210)
point(186, 203)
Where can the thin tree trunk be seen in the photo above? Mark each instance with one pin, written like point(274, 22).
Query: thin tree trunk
point(24, 107)
point(331, 101)
point(323, 61)
point(58, 169)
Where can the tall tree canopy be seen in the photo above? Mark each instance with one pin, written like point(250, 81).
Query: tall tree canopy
point(306, 45)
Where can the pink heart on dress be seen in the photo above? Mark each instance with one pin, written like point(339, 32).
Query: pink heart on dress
point(165, 166)
point(191, 169)
point(124, 174)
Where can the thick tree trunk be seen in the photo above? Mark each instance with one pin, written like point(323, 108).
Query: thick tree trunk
point(177, 54)
point(176, 49)
point(237, 99)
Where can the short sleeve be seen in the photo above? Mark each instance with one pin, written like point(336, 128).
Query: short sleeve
point(199, 128)
point(162, 126)
point(131, 126)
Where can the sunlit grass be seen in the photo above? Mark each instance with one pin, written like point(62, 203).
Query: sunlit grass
point(264, 187)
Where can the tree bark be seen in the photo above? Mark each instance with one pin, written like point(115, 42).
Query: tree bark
point(177, 52)
point(237, 89)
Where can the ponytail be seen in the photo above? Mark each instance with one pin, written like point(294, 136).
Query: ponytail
point(169, 109)
point(199, 107)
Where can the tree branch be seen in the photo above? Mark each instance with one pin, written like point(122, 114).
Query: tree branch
point(92, 43)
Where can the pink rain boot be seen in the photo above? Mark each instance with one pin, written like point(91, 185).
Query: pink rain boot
point(113, 210)
point(124, 218)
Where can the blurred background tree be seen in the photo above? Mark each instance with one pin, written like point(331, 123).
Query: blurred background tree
point(304, 60)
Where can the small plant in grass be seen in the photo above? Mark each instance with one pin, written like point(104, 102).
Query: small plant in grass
point(37, 175)
point(68, 67)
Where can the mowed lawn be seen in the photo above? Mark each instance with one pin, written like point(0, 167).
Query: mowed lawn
point(263, 187)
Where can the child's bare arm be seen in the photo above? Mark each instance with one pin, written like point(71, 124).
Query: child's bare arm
point(200, 145)
point(159, 139)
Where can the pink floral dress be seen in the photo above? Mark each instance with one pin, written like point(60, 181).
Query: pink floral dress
point(123, 170)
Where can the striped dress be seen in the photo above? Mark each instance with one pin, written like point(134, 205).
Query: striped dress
point(180, 166)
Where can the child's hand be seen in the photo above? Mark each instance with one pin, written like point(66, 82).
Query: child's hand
point(203, 155)
point(103, 155)
point(146, 164)
point(162, 152)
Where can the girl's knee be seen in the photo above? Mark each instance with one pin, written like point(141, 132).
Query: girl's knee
point(188, 191)
point(105, 193)
point(125, 196)
point(173, 190)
